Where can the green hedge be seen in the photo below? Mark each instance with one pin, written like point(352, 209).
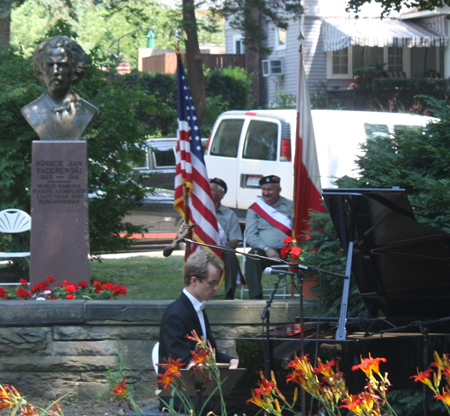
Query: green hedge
point(397, 94)
point(226, 89)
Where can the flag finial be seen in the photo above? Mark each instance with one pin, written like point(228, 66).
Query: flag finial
point(177, 40)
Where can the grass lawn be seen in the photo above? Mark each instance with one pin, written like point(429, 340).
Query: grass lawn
point(150, 277)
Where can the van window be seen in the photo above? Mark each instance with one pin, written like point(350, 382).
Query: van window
point(164, 156)
point(402, 129)
point(376, 130)
point(226, 140)
point(261, 141)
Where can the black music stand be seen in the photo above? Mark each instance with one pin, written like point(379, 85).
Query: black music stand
point(195, 384)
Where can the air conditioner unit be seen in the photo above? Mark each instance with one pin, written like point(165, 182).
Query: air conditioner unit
point(272, 67)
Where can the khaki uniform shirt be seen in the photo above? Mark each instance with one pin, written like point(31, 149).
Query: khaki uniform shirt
point(260, 233)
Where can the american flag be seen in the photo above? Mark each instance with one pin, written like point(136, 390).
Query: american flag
point(191, 170)
point(307, 188)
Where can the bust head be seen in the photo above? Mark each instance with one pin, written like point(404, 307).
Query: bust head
point(59, 62)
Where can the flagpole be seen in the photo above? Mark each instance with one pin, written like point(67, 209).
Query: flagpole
point(185, 191)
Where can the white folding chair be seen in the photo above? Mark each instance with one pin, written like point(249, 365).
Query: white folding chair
point(155, 356)
point(14, 221)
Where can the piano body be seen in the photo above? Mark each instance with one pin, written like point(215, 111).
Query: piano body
point(403, 273)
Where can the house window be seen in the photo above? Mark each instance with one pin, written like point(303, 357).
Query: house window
point(238, 45)
point(280, 38)
point(342, 64)
point(339, 63)
point(395, 59)
point(365, 57)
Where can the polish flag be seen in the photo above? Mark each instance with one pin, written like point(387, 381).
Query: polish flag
point(307, 188)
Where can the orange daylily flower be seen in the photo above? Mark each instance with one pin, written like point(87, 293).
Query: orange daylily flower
point(445, 397)
point(172, 366)
point(194, 337)
point(256, 399)
point(165, 380)
point(369, 365)
point(265, 386)
point(120, 389)
point(424, 377)
point(353, 403)
point(325, 369)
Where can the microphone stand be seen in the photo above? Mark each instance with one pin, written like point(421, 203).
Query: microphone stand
point(265, 316)
point(266, 312)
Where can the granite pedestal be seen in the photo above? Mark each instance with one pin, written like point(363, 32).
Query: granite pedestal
point(59, 211)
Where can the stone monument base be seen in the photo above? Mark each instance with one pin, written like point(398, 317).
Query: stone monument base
point(59, 212)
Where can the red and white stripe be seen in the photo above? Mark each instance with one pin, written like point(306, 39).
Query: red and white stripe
point(307, 188)
point(270, 214)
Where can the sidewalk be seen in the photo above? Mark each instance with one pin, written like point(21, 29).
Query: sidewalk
point(139, 254)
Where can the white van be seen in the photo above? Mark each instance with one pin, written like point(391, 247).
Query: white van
point(247, 145)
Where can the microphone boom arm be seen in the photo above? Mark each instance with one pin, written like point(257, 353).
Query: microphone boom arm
point(259, 257)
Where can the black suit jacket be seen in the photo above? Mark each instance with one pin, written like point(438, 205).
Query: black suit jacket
point(179, 320)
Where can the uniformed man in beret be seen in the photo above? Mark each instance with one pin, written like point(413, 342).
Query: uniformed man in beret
point(268, 223)
point(230, 234)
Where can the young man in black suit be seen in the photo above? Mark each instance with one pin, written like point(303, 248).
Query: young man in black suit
point(201, 278)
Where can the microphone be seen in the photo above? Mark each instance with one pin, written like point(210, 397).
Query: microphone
point(169, 249)
point(272, 270)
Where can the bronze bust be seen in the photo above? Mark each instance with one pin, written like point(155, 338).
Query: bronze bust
point(59, 113)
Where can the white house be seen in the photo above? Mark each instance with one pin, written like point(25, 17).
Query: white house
point(412, 44)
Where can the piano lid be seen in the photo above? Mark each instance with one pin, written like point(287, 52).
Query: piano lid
point(401, 266)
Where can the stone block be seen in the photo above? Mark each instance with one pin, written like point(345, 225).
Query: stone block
point(233, 332)
point(89, 391)
point(137, 354)
point(42, 385)
point(25, 313)
point(25, 340)
point(85, 348)
point(125, 311)
point(55, 364)
point(109, 332)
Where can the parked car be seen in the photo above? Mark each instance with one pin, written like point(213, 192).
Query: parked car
point(155, 211)
point(246, 145)
point(158, 165)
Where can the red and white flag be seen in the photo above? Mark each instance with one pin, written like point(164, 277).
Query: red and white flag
point(307, 188)
point(191, 171)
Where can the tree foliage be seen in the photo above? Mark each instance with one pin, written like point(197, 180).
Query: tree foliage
point(112, 27)
point(245, 15)
point(390, 5)
point(113, 142)
point(226, 89)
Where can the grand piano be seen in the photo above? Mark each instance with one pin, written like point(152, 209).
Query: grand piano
point(402, 269)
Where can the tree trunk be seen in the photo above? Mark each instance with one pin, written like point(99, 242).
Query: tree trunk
point(194, 67)
point(253, 60)
point(5, 32)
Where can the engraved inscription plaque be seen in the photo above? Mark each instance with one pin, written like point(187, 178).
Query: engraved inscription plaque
point(59, 208)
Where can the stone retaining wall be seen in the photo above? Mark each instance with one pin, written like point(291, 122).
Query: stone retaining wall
point(51, 348)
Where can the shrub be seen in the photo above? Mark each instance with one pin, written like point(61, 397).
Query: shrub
point(397, 94)
point(233, 84)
